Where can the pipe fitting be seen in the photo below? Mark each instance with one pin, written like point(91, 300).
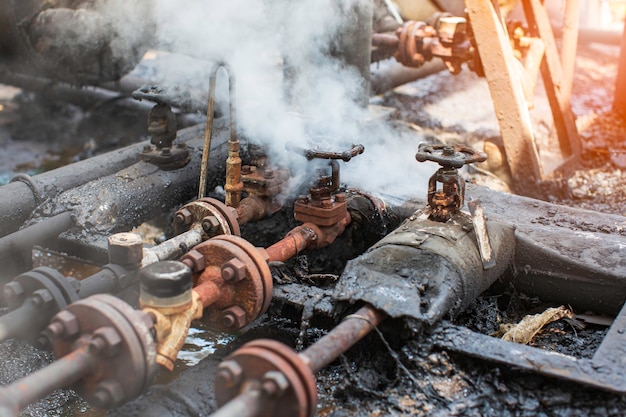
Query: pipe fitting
point(126, 249)
point(234, 318)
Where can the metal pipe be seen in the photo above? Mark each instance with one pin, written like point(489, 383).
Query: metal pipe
point(292, 244)
point(210, 115)
point(568, 46)
point(172, 248)
point(247, 404)
point(60, 373)
point(26, 238)
point(21, 320)
point(353, 328)
point(389, 74)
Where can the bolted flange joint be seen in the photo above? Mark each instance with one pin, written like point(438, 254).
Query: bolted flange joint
point(234, 270)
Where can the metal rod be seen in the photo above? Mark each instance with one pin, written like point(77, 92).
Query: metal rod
point(210, 115)
point(26, 238)
point(58, 374)
point(21, 320)
point(246, 404)
point(172, 248)
point(569, 45)
point(353, 328)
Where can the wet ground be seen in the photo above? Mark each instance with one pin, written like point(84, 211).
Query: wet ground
point(388, 374)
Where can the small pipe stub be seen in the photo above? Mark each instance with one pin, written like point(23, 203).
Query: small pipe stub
point(165, 284)
point(125, 249)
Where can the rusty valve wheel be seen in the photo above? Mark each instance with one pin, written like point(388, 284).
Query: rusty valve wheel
point(285, 380)
point(346, 156)
point(449, 156)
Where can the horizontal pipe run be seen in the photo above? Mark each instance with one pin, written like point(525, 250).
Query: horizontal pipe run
point(26, 238)
point(172, 248)
point(19, 322)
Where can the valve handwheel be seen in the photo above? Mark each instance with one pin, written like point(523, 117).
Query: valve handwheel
point(449, 156)
point(317, 154)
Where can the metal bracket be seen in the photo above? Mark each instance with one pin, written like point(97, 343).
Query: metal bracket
point(605, 371)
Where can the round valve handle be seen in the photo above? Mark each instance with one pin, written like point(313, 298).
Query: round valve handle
point(452, 156)
point(317, 154)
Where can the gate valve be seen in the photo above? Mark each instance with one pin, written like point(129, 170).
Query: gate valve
point(448, 200)
point(324, 206)
point(162, 128)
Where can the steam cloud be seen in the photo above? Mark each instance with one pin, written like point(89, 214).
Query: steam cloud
point(255, 37)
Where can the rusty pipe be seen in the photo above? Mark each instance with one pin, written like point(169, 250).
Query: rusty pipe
point(234, 184)
point(58, 374)
point(210, 115)
point(385, 40)
point(296, 241)
point(253, 208)
point(353, 328)
point(208, 293)
point(247, 404)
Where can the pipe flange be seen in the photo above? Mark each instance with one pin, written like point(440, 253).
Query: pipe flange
point(44, 278)
point(192, 214)
point(128, 364)
point(257, 363)
point(250, 292)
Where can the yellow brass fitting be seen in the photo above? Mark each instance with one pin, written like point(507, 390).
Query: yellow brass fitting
point(234, 184)
point(172, 326)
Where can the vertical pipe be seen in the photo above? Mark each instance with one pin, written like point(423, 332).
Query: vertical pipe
point(619, 102)
point(569, 45)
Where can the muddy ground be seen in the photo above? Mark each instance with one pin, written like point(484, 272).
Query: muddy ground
point(386, 374)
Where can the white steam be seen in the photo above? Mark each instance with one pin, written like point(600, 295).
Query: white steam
point(262, 40)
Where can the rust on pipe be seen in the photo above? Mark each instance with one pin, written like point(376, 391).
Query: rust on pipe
point(59, 374)
point(295, 242)
point(252, 208)
point(234, 185)
point(353, 328)
point(209, 292)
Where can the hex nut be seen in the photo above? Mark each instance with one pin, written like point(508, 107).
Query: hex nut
point(234, 317)
point(109, 393)
point(64, 324)
point(210, 225)
point(230, 373)
point(234, 270)
point(274, 384)
point(194, 260)
point(13, 293)
point(41, 298)
point(183, 217)
point(125, 249)
point(111, 339)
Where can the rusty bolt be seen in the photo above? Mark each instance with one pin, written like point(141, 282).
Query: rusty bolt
point(327, 204)
point(194, 260)
point(230, 373)
point(268, 173)
point(41, 298)
point(246, 169)
point(234, 270)
point(107, 340)
point(125, 249)
point(108, 394)
point(234, 318)
point(274, 384)
point(13, 293)
point(340, 198)
point(210, 225)
point(166, 152)
point(64, 324)
point(183, 217)
point(147, 149)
